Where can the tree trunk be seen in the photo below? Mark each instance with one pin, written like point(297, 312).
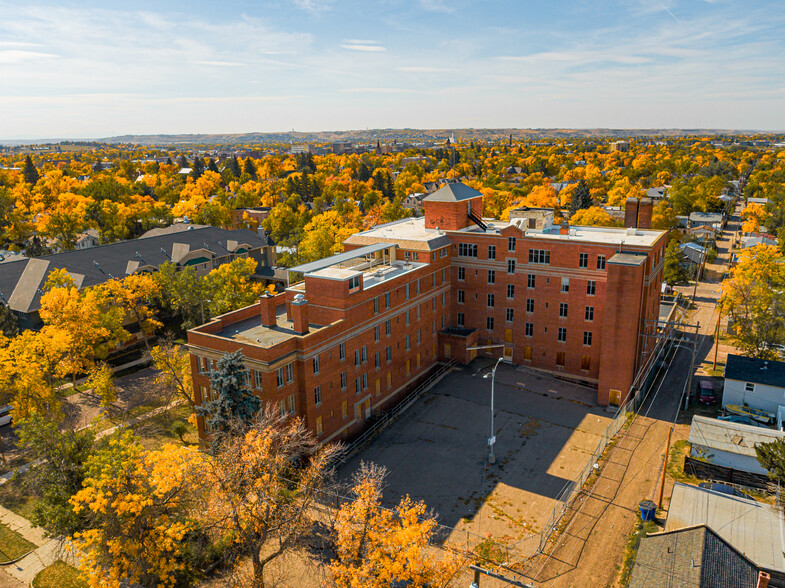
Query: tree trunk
point(258, 570)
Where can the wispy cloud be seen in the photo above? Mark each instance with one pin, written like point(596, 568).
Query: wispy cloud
point(424, 69)
point(436, 6)
point(18, 56)
point(314, 6)
point(220, 63)
point(361, 45)
point(377, 90)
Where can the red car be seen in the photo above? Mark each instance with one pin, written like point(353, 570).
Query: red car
point(706, 393)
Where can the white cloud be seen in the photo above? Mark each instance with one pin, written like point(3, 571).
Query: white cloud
point(377, 90)
point(365, 46)
point(17, 56)
point(436, 6)
point(220, 63)
point(424, 69)
point(314, 6)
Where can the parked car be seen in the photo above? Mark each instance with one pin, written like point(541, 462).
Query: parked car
point(725, 489)
point(5, 415)
point(706, 393)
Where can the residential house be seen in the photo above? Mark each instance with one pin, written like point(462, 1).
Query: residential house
point(757, 383)
point(90, 238)
point(715, 220)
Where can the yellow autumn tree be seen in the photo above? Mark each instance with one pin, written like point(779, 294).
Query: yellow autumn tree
point(138, 505)
point(135, 295)
point(594, 216)
point(174, 370)
point(754, 216)
point(378, 547)
point(101, 381)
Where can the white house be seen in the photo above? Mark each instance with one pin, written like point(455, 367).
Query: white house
point(90, 238)
point(730, 445)
point(757, 383)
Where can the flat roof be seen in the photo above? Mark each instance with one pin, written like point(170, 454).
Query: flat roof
point(731, 437)
point(314, 266)
point(628, 259)
point(251, 330)
point(411, 231)
point(754, 528)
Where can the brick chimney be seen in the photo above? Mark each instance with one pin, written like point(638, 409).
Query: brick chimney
point(631, 213)
point(763, 579)
point(564, 228)
point(645, 211)
point(300, 314)
point(267, 307)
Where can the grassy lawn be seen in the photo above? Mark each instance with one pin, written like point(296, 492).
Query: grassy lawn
point(16, 498)
point(675, 467)
point(59, 575)
point(12, 544)
point(167, 427)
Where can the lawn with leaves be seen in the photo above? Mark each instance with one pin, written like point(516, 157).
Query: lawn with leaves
point(12, 544)
point(59, 575)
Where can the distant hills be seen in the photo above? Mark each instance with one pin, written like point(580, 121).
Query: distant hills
point(388, 136)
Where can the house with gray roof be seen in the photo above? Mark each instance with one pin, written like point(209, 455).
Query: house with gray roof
point(713, 219)
point(22, 281)
point(757, 383)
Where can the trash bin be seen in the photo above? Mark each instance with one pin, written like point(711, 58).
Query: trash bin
point(648, 508)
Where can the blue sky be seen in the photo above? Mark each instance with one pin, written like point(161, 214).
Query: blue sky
point(95, 69)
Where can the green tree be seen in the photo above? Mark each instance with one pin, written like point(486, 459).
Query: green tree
point(29, 171)
point(581, 197)
point(771, 457)
point(57, 472)
point(249, 168)
point(234, 167)
point(234, 405)
point(182, 295)
point(211, 165)
point(9, 326)
point(673, 271)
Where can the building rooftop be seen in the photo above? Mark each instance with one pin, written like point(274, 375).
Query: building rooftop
point(692, 557)
point(411, 233)
point(756, 371)
point(731, 437)
point(341, 259)
point(252, 332)
point(453, 193)
point(754, 528)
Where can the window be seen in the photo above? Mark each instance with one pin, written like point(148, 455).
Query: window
point(749, 387)
point(417, 285)
point(600, 262)
point(467, 250)
point(365, 381)
point(316, 365)
point(358, 385)
point(343, 380)
point(444, 320)
point(408, 318)
point(289, 373)
point(344, 410)
point(282, 408)
point(433, 303)
point(560, 358)
point(591, 286)
point(257, 379)
point(511, 244)
point(491, 277)
point(491, 300)
point(387, 300)
point(444, 299)
point(317, 395)
point(562, 310)
point(540, 256)
point(491, 251)
point(460, 320)
point(408, 342)
point(530, 280)
point(461, 273)
point(377, 359)
point(530, 305)
point(376, 305)
point(562, 337)
point(583, 260)
point(281, 376)
point(342, 351)
point(418, 313)
point(388, 354)
point(387, 328)
point(565, 285)
point(489, 323)
point(443, 252)
point(529, 332)
point(364, 353)
point(415, 255)
point(407, 256)
point(444, 275)
point(587, 338)
point(589, 314)
point(510, 266)
point(354, 283)
point(406, 289)
point(376, 334)
point(419, 336)
point(356, 357)
point(509, 315)
point(319, 426)
point(510, 291)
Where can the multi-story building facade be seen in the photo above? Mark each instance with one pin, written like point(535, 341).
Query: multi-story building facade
point(363, 327)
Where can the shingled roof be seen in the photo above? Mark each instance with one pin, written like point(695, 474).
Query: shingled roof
point(21, 282)
point(453, 193)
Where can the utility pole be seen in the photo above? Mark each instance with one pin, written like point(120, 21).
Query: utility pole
point(717, 338)
point(492, 437)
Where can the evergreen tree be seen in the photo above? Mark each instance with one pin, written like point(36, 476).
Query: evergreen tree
point(198, 168)
point(363, 172)
point(673, 271)
point(581, 197)
point(249, 168)
point(212, 166)
point(168, 161)
point(234, 167)
point(9, 326)
point(233, 406)
point(29, 171)
point(182, 161)
point(36, 247)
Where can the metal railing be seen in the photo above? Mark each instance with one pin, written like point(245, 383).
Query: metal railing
point(385, 418)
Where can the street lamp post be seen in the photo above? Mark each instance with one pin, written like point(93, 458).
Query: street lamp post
point(492, 438)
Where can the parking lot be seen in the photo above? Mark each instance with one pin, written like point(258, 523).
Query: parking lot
point(437, 451)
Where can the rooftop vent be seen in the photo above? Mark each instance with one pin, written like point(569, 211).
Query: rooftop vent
point(299, 297)
point(765, 365)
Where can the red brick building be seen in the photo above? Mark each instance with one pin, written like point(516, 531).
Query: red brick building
point(363, 327)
